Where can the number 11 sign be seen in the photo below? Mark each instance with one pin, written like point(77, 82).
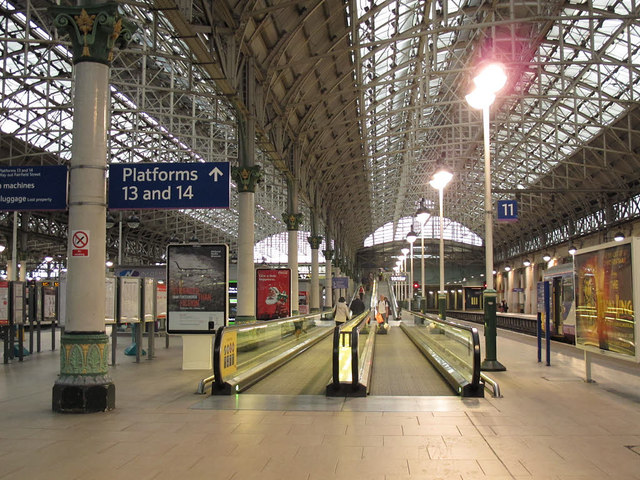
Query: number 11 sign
point(507, 211)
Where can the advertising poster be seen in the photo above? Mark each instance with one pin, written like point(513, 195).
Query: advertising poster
point(604, 300)
point(273, 287)
point(229, 353)
point(198, 292)
point(303, 303)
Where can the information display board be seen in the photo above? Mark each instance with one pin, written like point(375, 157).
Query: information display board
point(605, 298)
point(110, 300)
point(49, 303)
point(273, 292)
point(4, 302)
point(129, 300)
point(149, 294)
point(198, 291)
point(473, 298)
point(18, 302)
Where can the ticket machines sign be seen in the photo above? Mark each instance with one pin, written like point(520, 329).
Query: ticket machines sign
point(33, 187)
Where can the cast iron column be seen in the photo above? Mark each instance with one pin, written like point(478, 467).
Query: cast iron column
point(84, 384)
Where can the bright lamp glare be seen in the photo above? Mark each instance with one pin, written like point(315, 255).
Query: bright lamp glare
point(440, 179)
point(480, 99)
point(422, 217)
point(491, 79)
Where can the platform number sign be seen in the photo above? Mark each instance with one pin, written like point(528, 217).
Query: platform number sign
point(507, 211)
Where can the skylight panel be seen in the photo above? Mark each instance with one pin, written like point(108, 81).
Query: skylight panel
point(8, 126)
point(617, 50)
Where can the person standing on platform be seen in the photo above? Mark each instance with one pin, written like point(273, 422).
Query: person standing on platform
point(388, 305)
point(382, 308)
point(341, 312)
point(357, 306)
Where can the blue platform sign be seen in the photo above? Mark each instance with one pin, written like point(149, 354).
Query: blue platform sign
point(507, 211)
point(169, 185)
point(40, 187)
point(340, 282)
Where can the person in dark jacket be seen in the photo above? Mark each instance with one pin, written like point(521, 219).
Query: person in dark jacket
point(357, 306)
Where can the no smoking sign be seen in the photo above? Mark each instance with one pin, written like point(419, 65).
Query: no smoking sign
point(80, 243)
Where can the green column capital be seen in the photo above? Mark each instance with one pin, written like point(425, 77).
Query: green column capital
point(292, 220)
point(94, 30)
point(328, 254)
point(315, 241)
point(247, 178)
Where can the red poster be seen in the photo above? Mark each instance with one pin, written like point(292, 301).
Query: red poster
point(273, 292)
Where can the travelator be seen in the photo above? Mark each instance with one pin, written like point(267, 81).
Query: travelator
point(244, 354)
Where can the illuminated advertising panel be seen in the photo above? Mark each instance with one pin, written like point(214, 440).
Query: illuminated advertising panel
point(605, 314)
point(273, 293)
point(198, 292)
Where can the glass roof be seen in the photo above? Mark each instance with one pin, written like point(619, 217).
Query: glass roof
point(564, 118)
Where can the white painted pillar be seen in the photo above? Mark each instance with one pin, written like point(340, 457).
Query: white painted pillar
point(314, 302)
point(87, 200)
point(246, 309)
point(292, 258)
point(328, 278)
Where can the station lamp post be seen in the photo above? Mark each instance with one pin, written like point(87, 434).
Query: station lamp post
point(405, 253)
point(422, 215)
point(411, 237)
point(487, 83)
point(440, 180)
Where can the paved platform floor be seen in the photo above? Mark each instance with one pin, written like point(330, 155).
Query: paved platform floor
point(550, 424)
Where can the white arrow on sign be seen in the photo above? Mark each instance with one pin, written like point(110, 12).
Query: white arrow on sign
point(214, 173)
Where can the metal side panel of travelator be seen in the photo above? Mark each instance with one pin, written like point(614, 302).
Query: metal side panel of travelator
point(452, 348)
point(244, 354)
point(352, 359)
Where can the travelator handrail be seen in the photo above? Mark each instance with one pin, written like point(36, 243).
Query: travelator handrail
point(444, 343)
point(351, 371)
point(266, 345)
point(394, 300)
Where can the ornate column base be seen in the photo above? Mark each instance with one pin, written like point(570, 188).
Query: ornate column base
point(84, 385)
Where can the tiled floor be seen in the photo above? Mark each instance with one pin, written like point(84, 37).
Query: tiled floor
point(549, 425)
